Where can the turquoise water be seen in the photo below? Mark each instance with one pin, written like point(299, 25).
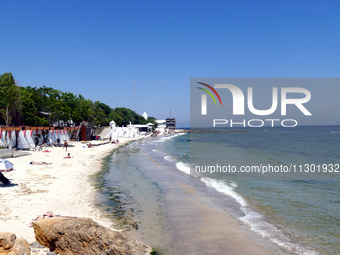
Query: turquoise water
point(299, 210)
point(296, 210)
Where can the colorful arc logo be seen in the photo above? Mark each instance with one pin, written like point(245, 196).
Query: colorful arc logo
point(209, 93)
point(204, 97)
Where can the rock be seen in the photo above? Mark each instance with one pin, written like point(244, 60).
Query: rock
point(12, 246)
point(36, 245)
point(21, 247)
point(72, 235)
point(7, 241)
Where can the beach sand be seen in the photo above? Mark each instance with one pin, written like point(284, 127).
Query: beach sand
point(64, 187)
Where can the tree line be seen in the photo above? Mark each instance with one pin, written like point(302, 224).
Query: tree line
point(45, 106)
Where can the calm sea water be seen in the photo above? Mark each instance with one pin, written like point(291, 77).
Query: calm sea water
point(297, 210)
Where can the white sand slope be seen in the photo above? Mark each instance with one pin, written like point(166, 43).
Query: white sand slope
point(62, 187)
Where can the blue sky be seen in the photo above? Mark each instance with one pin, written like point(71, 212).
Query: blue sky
point(99, 48)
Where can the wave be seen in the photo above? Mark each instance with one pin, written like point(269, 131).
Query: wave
point(170, 159)
point(184, 167)
point(255, 220)
point(168, 137)
point(220, 186)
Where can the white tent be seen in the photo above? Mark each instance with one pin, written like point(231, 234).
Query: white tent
point(54, 136)
point(62, 136)
point(40, 137)
point(13, 142)
point(5, 165)
point(29, 137)
point(51, 136)
point(3, 139)
point(8, 139)
point(23, 144)
point(67, 135)
point(58, 135)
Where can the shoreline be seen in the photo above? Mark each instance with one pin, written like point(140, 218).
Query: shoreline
point(198, 219)
point(64, 187)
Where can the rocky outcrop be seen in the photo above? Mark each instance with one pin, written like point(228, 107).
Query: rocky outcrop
point(10, 245)
point(21, 247)
point(72, 235)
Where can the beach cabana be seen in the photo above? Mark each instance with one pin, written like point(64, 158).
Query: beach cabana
point(22, 142)
point(8, 139)
point(54, 134)
point(51, 136)
point(40, 136)
point(3, 139)
point(13, 141)
point(64, 136)
point(68, 135)
point(5, 165)
point(29, 137)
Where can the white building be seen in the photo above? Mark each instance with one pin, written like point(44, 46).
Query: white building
point(145, 115)
point(131, 131)
point(161, 128)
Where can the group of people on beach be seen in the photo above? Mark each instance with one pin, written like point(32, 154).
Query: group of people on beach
point(6, 181)
point(114, 141)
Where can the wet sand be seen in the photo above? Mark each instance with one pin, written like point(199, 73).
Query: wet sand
point(195, 219)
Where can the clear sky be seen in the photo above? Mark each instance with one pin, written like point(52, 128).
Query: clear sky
point(99, 48)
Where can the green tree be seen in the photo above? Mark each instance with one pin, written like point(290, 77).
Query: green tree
point(10, 101)
point(123, 116)
point(44, 106)
point(82, 112)
point(29, 108)
point(97, 114)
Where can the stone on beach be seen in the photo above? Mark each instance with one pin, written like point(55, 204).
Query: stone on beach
point(10, 245)
point(72, 235)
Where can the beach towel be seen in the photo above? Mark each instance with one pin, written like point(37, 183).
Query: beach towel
point(4, 180)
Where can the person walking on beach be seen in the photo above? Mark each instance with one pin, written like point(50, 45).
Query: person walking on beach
point(65, 145)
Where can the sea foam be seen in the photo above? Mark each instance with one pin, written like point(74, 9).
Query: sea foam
point(222, 187)
point(170, 159)
point(184, 167)
point(255, 220)
point(165, 138)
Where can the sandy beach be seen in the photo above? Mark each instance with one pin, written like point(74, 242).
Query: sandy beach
point(63, 187)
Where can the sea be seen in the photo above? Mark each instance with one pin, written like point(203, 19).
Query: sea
point(286, 181)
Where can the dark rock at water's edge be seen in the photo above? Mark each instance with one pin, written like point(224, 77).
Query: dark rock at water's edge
point(72, 235)
point(9, 244)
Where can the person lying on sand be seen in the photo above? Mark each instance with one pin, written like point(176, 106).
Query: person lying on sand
point(68, 155)
point(49, 214)
point(89, 145)
point(39, 163)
